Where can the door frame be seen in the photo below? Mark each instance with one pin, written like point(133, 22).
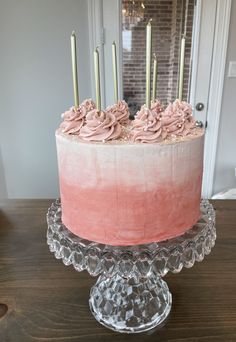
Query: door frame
point(216, 85)
point(216, 91)
point(99, 37)
point(95, 21)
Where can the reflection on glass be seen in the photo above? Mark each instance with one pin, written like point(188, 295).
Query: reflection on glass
point(127, 39)
point(168, 25)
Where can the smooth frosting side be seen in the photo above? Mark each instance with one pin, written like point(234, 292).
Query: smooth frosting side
point(124, 194)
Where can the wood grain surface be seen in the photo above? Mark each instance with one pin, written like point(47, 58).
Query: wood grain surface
point(43, 300)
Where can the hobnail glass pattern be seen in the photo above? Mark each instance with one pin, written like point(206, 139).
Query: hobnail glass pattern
point(129, 304)
point(139, 260)
point(129, 295)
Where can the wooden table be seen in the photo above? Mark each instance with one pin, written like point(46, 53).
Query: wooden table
point(43, 300)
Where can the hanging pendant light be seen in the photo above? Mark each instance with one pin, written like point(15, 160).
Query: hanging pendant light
point(132, 13)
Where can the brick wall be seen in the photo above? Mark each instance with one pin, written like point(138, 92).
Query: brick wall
point(167, 26)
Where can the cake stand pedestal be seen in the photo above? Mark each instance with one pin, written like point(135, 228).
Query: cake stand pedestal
point(130, 295)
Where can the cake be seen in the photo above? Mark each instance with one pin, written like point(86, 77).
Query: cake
point(126, 182)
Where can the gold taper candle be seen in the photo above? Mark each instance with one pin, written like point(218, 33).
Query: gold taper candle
point(74, 68)
point(114, 64)
point(181, 68)
point(148, 62)
point(97, 78)
point(154, 80)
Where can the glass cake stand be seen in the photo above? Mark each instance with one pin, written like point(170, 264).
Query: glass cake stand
point(130, 295)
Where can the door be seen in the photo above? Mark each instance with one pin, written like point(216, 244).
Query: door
point(210, 40)
point(202, 54)
point(202, 50)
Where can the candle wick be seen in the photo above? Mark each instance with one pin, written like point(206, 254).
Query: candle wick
point(73, 33)
point(149, 21)
point(155, 55)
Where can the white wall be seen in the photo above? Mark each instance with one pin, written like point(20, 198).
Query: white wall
point(35, 88)
point(226, 152)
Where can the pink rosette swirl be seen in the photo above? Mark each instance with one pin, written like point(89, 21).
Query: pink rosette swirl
point(88, 104)
point(147, 127)
point(178, 119)
point(121, 111)
point(156, 107)
point(100, 126)
point(73, 120)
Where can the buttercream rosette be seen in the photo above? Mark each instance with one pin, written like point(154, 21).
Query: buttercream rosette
point(121, 111)
point(100, 126)
point(148, 127)
point(156, 107)
point(178, 119)
point(73, 120)
point(88, 104)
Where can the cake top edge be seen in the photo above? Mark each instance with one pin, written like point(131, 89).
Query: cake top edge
point(113, 125)
point(199, 133)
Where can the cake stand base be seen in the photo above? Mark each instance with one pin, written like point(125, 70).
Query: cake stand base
point(130, 305)
point(130, 295)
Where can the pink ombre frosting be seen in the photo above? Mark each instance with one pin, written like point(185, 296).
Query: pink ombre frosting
point(127, 193)
point(121, 111)
point(100, 126)
point(147, 127)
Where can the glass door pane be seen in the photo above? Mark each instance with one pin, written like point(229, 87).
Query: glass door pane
point(168, 25)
